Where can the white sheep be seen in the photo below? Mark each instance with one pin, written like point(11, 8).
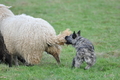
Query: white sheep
point(29, 37)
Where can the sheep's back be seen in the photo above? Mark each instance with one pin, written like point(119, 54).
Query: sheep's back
point(24, 32)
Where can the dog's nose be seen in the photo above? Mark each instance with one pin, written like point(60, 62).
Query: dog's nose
point(66, 37)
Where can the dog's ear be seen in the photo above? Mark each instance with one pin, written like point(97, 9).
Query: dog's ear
point(79, 32)
point(74, 35)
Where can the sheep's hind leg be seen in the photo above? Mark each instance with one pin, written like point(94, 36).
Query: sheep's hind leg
point(15, 59)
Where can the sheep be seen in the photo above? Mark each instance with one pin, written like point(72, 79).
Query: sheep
point(29, 37)
point(5, 57)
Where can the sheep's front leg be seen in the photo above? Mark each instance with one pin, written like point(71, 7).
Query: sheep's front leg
point(56, 56)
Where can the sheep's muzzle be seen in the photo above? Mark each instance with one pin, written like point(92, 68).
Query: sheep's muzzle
point(56, 56)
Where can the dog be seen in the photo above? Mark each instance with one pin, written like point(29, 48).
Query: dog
point(84, 48)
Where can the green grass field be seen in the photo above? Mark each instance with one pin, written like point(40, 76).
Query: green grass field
point(98, 20)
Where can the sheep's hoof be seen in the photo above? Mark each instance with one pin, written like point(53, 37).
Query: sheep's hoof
point(10, 65)
point(58, 62)
point(29, 65)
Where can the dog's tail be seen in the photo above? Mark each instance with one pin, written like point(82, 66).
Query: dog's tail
point(60, 38)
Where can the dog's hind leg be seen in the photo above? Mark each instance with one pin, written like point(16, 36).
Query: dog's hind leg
point(90, 62)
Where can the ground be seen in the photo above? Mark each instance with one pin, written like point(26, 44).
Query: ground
point(98, 20)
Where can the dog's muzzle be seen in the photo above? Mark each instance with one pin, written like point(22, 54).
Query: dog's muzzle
point(66, 37)
point(67, 40)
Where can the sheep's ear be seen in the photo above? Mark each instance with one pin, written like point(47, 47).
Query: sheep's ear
point(74, 35)
point(8, 6)
point(79, 33)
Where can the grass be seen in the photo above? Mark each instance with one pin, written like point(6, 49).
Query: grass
point(99, 21)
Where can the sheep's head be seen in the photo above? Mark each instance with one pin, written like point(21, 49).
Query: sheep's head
point(60, 39)
point(4, 11)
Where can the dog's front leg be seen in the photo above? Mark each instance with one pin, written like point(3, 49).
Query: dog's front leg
point(73, 63)
point(77, 61)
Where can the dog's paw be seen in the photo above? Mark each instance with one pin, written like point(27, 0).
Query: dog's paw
point(86, 68)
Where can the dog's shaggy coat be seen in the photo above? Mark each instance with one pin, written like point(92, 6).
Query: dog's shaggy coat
point(28, 36)
point(84, 48)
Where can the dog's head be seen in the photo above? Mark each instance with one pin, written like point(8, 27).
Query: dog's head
point(72, 38)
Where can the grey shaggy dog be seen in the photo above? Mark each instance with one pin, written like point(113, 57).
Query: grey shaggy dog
point(84, 48)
